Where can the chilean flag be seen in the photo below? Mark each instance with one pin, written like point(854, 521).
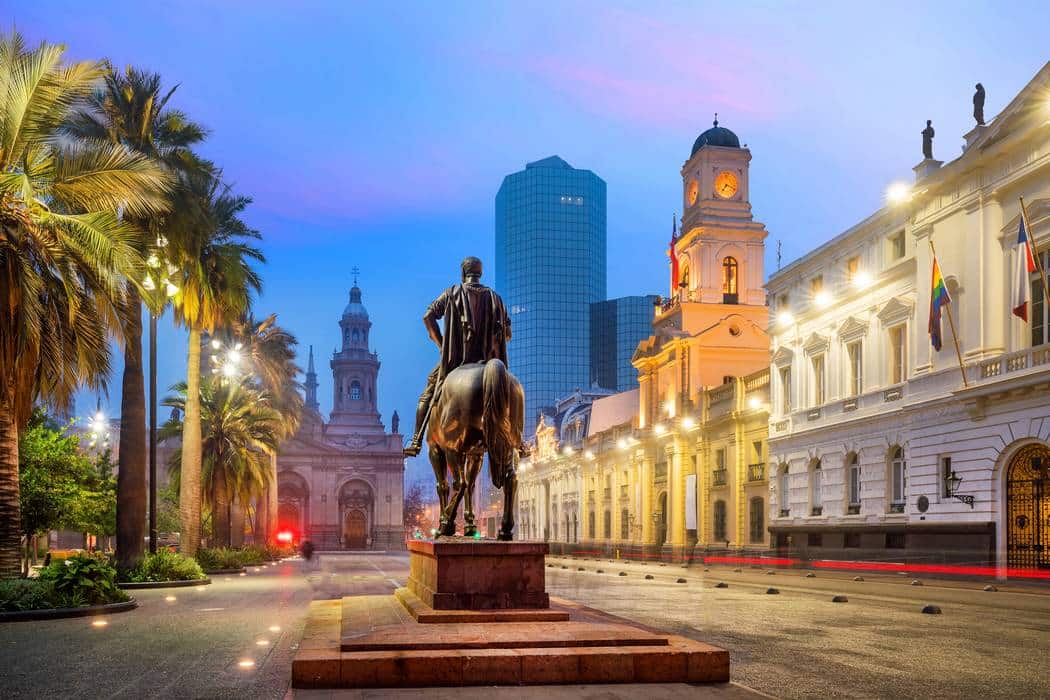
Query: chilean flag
point(1025, 266)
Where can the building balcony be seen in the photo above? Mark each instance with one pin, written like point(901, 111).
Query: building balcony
point(756, 472)
point(853, 509)
point(785, 512)
point(816, 510)
point(896, 507)
point(718, 477)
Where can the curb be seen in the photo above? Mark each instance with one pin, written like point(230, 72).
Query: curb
point(58, 613)
point(142, 585)
point(226, 572)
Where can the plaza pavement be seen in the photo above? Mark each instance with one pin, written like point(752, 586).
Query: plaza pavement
point(796, 644)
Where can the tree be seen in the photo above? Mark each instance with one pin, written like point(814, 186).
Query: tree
point(64, 252)
point(239, 432)
point(217, 289)
point(270, 350)
point(415, 510)
point(131, 109)
point(61, 486)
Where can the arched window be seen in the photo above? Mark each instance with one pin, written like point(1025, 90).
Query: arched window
point(357, 336)
point(816, 499)
point(720, 521)
point(758, 518)
point(729, 280)
point(683, 282)
point(853, 480)
point(898, 479)
point(607, 524)
point(355, 390)
point(782, 491)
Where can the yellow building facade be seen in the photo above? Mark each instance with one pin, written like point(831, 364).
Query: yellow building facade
point(677, 466)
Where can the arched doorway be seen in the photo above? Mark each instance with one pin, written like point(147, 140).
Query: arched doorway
point(1028, 508)
point(355, 529)
point(357, 514)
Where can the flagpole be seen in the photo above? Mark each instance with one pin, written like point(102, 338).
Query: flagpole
point(1035, 254)
point(951, 323)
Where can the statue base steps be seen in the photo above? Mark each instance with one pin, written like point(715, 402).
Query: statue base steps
point(394, 641)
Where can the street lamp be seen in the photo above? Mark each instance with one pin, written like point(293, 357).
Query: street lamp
point(160, 290)
point(952, 482)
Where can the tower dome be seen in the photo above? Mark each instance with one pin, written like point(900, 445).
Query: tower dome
point(715, 136)
point(355, 307)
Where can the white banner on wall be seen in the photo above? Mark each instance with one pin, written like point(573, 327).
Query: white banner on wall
point(690, 501)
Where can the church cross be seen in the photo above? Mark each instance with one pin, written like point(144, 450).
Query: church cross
point(356, 272)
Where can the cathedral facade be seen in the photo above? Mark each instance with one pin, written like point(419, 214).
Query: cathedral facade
point(340, 482)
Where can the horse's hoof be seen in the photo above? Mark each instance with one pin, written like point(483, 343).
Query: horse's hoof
point(470, 530)
point(505, 536)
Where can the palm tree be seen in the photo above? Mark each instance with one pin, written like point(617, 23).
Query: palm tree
point(270, 350)
point(65, 254)
point(239, 432)
point(131, 109)
point(217, 288)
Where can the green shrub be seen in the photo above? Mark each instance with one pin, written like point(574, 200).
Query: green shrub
point(220, 558)
point(27, 594)
point(86, 579)
point(254, 555)
point(279, 551)
point(166, 565)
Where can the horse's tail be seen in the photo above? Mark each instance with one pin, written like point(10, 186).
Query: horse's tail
point(500, 438)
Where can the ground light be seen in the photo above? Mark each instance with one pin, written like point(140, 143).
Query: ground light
point(246, 663)
point(275, 628)
point(99, 623)
point(262, 643)
point(170, 598)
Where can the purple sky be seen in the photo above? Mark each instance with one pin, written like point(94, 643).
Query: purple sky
point(378, 135)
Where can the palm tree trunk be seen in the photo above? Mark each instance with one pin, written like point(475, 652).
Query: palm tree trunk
point(131, 455)
point(190, 474)
point(10, 513)
point(220, 510)
point(236, 523)
point(271, 502)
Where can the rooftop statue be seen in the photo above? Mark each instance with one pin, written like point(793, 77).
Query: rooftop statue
point(978, 105)
point(927, 140)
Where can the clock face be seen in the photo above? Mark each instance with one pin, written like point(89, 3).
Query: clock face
point(725, 184)
point(692, 192)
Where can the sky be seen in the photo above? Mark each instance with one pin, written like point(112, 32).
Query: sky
point(377, 134)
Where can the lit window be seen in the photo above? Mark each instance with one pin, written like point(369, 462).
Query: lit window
point(856, 368)
point(817, 364)
point(785, 390)
point(898, 354)
point(729, 275)
point(720, 521)
point(852, 267)
point(1040, 309)
point(897, 247)
point(355, 391)
point(758, 525)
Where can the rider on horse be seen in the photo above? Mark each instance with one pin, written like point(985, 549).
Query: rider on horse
point(477, 329)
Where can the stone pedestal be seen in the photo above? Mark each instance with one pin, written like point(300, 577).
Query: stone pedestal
point(461, 573)
point(926, 168)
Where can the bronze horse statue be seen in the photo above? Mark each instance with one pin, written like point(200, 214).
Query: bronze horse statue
point(479, 409)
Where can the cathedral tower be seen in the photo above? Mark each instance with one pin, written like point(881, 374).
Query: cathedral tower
point(354, 372)
point(311, 383)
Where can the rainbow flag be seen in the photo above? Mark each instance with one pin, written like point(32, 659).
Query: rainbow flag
point(938, 297)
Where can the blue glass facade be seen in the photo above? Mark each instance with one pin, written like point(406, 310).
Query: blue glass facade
point(617, 326)
point(550, 267)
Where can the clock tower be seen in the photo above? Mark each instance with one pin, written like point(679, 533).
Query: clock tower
point(721, 249)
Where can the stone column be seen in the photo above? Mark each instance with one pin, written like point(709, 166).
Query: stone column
point(675, 500)
point(645, 478)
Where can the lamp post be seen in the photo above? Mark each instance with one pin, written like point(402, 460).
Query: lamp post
point(160, 293)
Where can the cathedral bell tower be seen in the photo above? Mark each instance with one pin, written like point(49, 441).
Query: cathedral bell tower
point(354, 372)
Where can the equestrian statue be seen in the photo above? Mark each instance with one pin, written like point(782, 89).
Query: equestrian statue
point(472, 405)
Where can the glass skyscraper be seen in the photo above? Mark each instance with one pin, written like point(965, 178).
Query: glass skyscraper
point(617, 326)
point(550, 268)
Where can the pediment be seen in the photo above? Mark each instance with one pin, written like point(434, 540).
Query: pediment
point(783, 357)
point(852, 329)
point(816, 344)
point(1038, 220)
point(895, 311)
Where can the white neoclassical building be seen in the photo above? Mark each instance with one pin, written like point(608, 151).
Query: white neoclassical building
point(868, 422)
